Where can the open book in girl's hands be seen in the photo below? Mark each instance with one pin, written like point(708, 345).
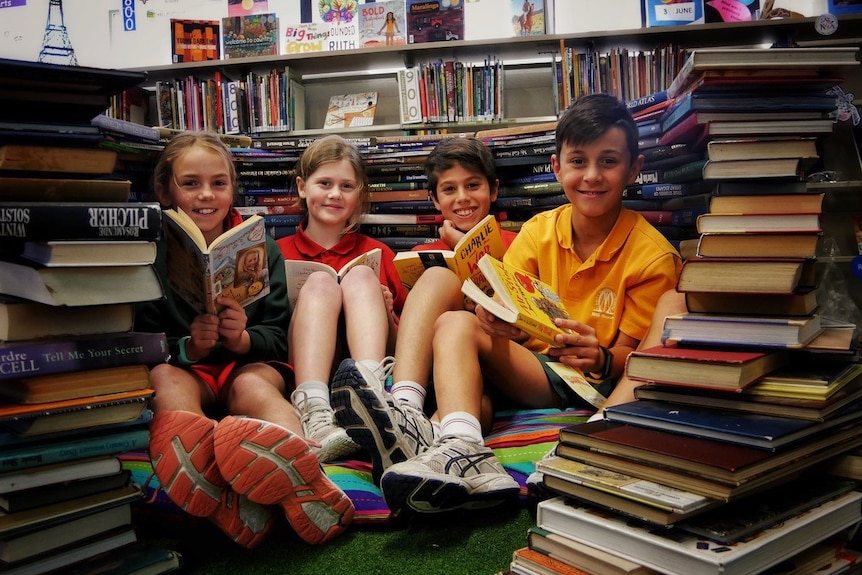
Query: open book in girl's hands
point(234, 265)
point(483, 238)
point(519, 299)
point(297, 271)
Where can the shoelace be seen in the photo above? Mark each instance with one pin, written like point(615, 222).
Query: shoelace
point(315, 416)
point(384, 369)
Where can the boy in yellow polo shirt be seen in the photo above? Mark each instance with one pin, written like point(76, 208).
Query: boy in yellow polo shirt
point(608, 265)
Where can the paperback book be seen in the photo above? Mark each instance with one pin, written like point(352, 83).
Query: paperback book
point(434, 21)
point(519, 299)
point(233, 265)
point(351, 110)
point(297, 271)
point(751, 331)
point(484, 237)
point(249, 36)
point(22, 320)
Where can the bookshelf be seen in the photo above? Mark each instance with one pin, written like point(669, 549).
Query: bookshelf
point(528, 78)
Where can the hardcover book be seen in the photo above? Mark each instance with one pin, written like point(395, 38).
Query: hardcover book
point(382, 23)
point(590, 559)
point(80, 286)
point(434, 21)
point(746, 275)
point(22, 320)
point(64, 253)
point(76, 384)
point(297, 271)
point(751, 331)
point(351, 110)
point(801, 303)
point(48, 355)
point(80, 220)
point(767, 432)
point(195, 40)
point(56, 159)
point(746, 148)
point(484, 237)
point(702, 367)
point(53, 189)
point(810, 203)
point(526, 302)
point(677, 553)
point(758, 245)
point(40, 476)
point(234, 265)
point(249, 36)
point(63, 490)
point(754, 222)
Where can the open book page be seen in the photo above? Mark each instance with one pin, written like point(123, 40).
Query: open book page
point(297, 271)
point(483, 238)
point(578, 383)
point(235, 265)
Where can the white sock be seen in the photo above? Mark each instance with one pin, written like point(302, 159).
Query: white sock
point(462, 424)
point(411, 392)
point(308, 390)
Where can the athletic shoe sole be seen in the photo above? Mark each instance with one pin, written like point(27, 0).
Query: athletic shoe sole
point(245, 522)
point(272, 466)
point(182, 454)
point(365, 417)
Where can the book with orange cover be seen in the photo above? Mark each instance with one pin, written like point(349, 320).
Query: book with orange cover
point(75, 384)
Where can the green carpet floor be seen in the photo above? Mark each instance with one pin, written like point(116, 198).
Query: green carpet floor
point(469, 543)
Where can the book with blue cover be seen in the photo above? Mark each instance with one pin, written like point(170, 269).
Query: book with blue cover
point(766, 432)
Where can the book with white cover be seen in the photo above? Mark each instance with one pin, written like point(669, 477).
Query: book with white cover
point(673, 552)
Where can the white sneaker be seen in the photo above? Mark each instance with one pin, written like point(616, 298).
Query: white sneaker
point(388, 429)
point(319, 428)
point(454, 473)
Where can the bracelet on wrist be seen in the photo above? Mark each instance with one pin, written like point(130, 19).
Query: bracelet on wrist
point(606, 367)
point(181, 352)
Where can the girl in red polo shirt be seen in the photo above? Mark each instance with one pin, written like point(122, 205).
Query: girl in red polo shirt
point(355, 318)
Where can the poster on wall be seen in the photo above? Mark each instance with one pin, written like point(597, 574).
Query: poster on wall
point(195, 40)
point(247, 7)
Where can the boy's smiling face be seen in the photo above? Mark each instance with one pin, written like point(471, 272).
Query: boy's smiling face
point(463, 196)
point(595, 174)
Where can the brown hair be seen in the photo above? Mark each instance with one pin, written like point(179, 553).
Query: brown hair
point(470, 153)
point(164, 170)
point(334, 148)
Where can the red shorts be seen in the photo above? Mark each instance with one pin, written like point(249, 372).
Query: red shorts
point(216, 375)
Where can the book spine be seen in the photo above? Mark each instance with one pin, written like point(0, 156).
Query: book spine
point(79, 221)
point(60, 451)
point(644, 102)
point(125, 127)
point(44, 357)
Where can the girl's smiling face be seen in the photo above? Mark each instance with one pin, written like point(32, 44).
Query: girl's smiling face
point(463, 196)
point(331, 194)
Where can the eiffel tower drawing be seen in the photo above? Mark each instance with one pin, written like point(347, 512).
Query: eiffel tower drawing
point(56, 46)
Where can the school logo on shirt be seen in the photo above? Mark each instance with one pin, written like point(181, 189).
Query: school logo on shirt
point(606, 303)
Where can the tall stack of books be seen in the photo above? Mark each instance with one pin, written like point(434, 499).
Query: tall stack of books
point(719, 466)
point(76, 256)
point(265, 186)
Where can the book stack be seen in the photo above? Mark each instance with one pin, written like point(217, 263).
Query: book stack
point(265, 186)
point(76, 256)
point(522, 156)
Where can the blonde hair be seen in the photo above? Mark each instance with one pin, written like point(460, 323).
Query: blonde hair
point(164, 171)
point(334, 148)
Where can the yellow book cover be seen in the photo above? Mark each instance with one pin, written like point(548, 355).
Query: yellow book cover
point(483, 238)
point(519, 299)
point(233, 265)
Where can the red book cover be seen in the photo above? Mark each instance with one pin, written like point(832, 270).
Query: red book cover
point(195, 40)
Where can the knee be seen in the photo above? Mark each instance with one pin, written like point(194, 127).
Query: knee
point(359, 277)
point(454, 325)
point(440, 283)
point(320, 286)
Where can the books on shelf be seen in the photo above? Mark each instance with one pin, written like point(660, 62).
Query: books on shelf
point(746, 275)
point(80, 220)
point(58, 253)
point(484, 237)
point(56, 159)
point(702, 367)
point(297, 271)
point(75, 384)
point(677, 553)
point(749, 429)
point(81, 285)
point(519, 299)
point(22, 320)
point(752, 331)
point(63, 354)
point(351, 110)
point(233, 265)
